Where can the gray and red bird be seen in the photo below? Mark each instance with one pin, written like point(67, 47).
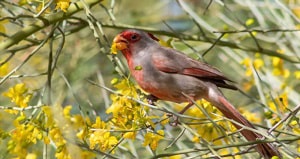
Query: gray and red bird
point(168, 74)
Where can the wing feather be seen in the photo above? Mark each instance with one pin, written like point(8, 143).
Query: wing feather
point(179, 63)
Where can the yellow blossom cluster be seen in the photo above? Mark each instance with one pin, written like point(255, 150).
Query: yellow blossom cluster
point(152, 139)
point(205, 128)
point(62, 4)
point(19, 95)
point(128, 115)
point(60, 133)
point(280, 105)
point(22, 137)
point(258, 63)
point(250, 64)
point(50, 124)
point(101, 136)
point(278, 66)
point(217, 131)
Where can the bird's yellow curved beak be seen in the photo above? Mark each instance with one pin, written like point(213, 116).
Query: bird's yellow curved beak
point(119, 43)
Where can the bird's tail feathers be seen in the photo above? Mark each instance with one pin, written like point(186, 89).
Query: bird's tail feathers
point(267, 150)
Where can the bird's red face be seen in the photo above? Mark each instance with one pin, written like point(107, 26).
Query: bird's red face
point(128, 37)
point(122, 40)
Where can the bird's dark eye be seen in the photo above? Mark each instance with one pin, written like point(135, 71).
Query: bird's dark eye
point(134, 37)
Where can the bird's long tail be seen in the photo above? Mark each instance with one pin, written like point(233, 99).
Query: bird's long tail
point(267, 150)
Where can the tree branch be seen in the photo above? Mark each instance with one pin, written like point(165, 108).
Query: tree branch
point(43, 22)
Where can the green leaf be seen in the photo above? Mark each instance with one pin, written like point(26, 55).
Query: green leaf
point(249, 22)
point(138, 68)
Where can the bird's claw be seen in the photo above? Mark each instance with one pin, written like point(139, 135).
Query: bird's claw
point(151, 99)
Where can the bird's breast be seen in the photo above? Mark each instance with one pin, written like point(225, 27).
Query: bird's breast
point(153, 83)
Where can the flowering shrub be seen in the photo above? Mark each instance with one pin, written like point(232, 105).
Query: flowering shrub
point(56, 61)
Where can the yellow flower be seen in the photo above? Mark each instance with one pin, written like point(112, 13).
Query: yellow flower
point(293, 123)
point(229, 151)
point(276, 61)
point(130, 135)
point(57, 137)
point(82, 134)
point(118, 103)
point(296, 11)
point(103, 139)
point(258, 63)
point(280, 51)
point(31, 156)
point(62, 152)
point(278, 66)
point(125, 87)
point(2, 27)
point(113, 48)
point(280, 103)
point(114, 81)
point(46, 140)
point(253, 117)
point(77, 121)
point(128, 114)
point(49, 114)
point(62, 4)
point(297, 74)
point(249, 21)
point(18, 94)
point(247, 63)
point(4, 67)
point(41, 6)
point(208, 130)
point(175, 157)
point(22, 137)
point(87, 155)
point(66, 111)
point(99, 124)
point(248, 85)
point(166, 43)
point(108, 141)
point(152, 139)
point(165, 119)
point(196, 139)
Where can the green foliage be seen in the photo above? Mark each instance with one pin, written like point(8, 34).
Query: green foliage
point(66, 94)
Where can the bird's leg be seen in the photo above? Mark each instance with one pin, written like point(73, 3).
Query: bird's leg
point(151, 99)
point(176, 119)
point(186, 107)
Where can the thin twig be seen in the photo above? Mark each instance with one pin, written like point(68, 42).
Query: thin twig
point(27, 58)
point(22, 109)
point(44, 9)
point(213, 45)
point(257, 30)
point(175, 140)
point(293, 112)
point(219, 147)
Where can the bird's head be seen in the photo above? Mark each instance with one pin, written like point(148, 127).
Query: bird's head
point(132, 40)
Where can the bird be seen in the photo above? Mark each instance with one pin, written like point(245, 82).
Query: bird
point(170, 75)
